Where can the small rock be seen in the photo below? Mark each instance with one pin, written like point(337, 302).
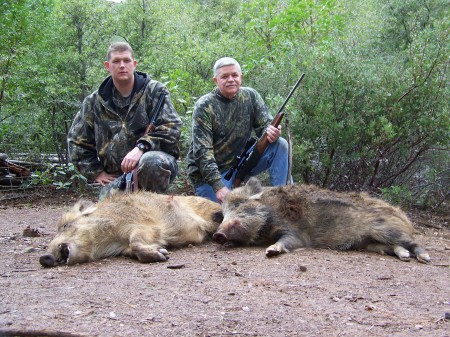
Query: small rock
point(370, 307)
point(31, 232)
point(31, 250)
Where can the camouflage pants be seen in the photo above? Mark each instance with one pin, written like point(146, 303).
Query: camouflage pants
point(156, 170)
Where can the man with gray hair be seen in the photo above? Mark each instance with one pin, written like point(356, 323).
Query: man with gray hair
point(223, 121)
point(109, 134)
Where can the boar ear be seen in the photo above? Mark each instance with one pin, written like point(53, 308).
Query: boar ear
point(84, 207)
point(253, 186)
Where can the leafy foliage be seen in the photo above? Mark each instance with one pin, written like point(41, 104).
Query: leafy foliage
point(372, 112)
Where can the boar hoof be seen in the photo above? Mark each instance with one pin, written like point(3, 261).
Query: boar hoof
point(422, 255)
point(220, 238)
point(275, 250)
point(402, 253)
point(47, 260)
point(160, 255)
point(424, 258)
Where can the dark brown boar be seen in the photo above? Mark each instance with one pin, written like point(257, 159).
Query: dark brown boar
point(139, 225)
point(297, 216)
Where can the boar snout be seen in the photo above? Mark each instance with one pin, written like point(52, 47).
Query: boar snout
point(230, 231)
point(47, 260)
point(220, 238)
point(62, 254)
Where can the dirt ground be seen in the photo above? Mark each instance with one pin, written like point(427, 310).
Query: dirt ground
point(217, 291)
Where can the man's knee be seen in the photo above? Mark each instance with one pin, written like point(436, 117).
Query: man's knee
point(283, 145)
point(156, 171)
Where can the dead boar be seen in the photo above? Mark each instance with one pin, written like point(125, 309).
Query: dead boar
point(297, 216)
point(138, 225)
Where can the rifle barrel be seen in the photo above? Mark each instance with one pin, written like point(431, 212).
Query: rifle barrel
point(290, 94)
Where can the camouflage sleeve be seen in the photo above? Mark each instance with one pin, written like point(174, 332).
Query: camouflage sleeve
point(166, 135)
point(202, 142)
point(81, 142)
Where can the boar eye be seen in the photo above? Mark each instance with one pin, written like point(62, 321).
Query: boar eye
point(65, 226)
point(236, 204)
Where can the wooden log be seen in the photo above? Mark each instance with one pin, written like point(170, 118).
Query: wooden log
point(17, 170)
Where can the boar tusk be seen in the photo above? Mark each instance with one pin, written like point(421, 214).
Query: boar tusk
point(256, 196)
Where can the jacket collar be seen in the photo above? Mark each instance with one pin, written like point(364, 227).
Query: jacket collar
point(106, 88)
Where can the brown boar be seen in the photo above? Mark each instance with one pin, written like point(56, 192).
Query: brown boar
point(297, 216)
point(138, 225)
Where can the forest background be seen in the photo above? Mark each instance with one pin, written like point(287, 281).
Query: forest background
point(371, 114)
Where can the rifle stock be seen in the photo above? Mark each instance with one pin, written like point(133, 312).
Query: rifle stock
point(263, 142)
point(250, 158)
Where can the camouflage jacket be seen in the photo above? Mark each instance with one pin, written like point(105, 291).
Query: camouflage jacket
point(101, 136)
point(220, 130)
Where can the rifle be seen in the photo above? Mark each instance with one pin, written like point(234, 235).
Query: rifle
point(152, 126)
point(254, 149)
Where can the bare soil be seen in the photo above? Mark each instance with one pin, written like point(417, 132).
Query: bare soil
point(210, 290)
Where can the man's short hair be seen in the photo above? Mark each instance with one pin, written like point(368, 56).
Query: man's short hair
point(225, 61)
point(119, 47)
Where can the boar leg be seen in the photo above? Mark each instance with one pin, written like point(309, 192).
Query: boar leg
point(287, 242)
point(276, 249)
point(146, 253)
point(381, 248)
point(421, 254)
point(144, 248)
point(146, 259)
point(401, 252)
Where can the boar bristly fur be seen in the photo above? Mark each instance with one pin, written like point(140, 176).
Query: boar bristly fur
point(139, 225)
point(298, 216)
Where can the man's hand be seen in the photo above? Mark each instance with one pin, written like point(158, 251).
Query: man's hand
point(220, 194)
point(131, 160)
point(273, 133)
point(105, 178)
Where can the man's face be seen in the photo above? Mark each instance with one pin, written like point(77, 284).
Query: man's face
point(228, 80)
point(121, 66)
